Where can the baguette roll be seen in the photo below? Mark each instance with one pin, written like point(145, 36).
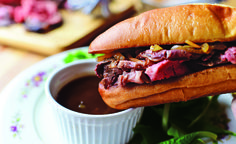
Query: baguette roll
point(196, 23)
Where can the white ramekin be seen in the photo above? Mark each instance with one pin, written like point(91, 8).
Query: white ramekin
point(80, 128)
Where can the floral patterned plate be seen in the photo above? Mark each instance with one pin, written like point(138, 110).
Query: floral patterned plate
point(25, 116)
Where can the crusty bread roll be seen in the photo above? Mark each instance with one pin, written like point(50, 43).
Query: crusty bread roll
point(173, 25)
point(198, 23)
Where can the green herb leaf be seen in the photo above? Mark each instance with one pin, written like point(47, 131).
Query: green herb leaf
point(175, 131)
point(190, 138)
point(181, 119)
point(78, 55)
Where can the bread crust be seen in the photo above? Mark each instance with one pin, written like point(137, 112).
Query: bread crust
point(208, 82)
point(172, 25)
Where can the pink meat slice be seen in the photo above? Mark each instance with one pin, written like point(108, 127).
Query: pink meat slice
point(166, 69)
point(10, 2)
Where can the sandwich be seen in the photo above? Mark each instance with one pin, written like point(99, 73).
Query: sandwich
point(167, 55)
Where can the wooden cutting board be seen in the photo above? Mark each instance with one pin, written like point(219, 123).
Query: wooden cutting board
point(78, 29)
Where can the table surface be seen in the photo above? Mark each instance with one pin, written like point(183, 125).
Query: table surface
point(13, 60)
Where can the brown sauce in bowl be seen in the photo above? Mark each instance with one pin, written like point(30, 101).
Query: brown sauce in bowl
point(81, 95)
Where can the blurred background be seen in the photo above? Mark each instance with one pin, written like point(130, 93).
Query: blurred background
point(32, 30)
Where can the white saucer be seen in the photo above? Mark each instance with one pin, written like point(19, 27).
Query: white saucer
point(25, 116)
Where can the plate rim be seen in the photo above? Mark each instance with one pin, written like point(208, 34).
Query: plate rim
point(6, 92)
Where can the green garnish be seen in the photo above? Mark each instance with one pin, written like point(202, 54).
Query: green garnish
point(78, 55)
point(201, 121)
point(192, 138)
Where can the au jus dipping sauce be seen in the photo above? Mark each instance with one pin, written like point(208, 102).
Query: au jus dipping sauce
point(81, 95)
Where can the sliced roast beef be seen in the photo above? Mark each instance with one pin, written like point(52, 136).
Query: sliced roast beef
point(230, 55)
point(111, 75)
point(100, 68)
point(149, 66)
point(166, 69)
point(126, 65)
point(167, 54)
point(37, 15)
point(219, 57)
point(132, 76)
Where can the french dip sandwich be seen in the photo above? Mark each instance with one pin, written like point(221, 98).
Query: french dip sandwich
point(168, 55)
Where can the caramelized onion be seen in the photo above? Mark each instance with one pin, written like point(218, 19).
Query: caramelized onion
point(106, 56)
point(191, 48)
point(113, 64)
point(206, 48)
point(119, 56)
point(192, 44)
point(188, 49)
point(155, 48)
point(134, 59)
